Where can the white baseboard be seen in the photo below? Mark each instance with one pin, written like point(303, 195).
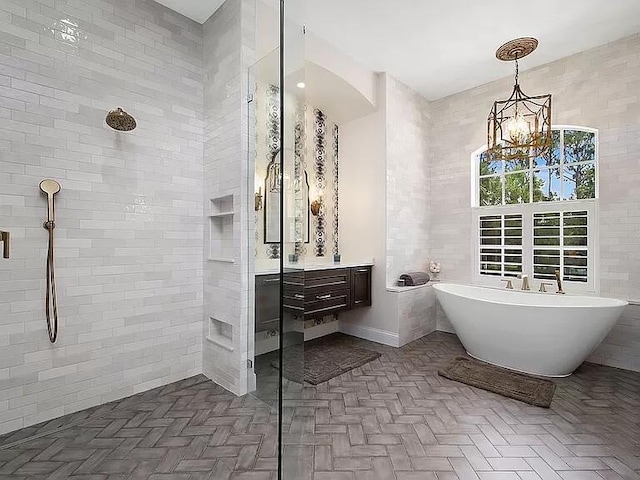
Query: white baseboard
point(372, 334)
point(445, 328)
point(418, 333)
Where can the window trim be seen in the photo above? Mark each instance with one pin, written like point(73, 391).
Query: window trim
point(592, 286)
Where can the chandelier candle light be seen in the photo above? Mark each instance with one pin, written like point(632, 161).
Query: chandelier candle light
point(519, 128)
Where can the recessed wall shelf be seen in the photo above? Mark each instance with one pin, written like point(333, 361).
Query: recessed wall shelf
point(221, 221)
point(221, 206)
point(221, 260)
point(221, 214)
point(221, 334)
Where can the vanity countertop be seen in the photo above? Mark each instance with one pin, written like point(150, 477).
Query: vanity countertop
point(272, 266)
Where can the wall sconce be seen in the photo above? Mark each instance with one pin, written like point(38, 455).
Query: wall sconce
point(258, 200)
point(316, 205)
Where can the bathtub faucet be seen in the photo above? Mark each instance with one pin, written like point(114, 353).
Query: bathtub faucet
point(525, 282)
point(558, 281)
point(543, 287)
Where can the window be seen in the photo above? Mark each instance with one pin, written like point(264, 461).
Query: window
point(561, 242)
point(501, 245)
point(538, 215)
point(569, 173)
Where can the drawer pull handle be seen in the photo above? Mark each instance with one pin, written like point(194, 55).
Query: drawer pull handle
point(362, 270)
point(271, 280)
point(323, 297)
point(328, 284)
point(299, 296)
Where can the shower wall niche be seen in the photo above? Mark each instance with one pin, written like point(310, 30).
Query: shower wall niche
point(221, 224)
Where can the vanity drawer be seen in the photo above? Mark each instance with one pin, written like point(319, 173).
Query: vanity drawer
point(323, 281)
point(294, 302)
point(326, 303)
point(293, 292)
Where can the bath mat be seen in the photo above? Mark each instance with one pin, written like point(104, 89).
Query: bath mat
point(323, 361)
point(532, 390)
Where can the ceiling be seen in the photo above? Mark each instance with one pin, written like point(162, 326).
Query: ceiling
point(443, 47)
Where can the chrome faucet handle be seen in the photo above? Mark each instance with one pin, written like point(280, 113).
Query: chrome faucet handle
point(559, 282)
point(525, 281)
point(509, 285)
point(543, 286)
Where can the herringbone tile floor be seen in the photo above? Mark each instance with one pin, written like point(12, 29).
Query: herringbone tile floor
point(393, 418)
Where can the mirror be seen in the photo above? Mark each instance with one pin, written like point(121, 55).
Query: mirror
point(272, 205)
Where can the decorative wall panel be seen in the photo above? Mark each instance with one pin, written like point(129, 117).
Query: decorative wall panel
point(314, 141)
point(319, 168)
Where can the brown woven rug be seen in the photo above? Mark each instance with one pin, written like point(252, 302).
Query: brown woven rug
point(322, 361)
point(532, 390)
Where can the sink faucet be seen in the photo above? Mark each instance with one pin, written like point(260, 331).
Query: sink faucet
point(525, 281)
point(558, 281)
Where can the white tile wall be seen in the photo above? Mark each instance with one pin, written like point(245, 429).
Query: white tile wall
point(408, 186)
point(597, 88)
point(129, 219)
point(408, 207)
point(416, 313)
point(228, 45)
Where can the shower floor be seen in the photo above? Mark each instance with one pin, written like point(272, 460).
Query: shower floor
point(393, 418)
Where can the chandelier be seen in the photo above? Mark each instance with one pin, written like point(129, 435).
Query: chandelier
point(520, 127)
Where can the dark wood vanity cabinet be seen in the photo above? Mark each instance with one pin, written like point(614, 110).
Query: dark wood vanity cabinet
point(360, 287)
point(267, 302)
point(311, 294)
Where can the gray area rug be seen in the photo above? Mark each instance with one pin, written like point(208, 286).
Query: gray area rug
point(532, 390)
point(323, 361)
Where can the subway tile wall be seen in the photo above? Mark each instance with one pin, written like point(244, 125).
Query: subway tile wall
point(407, 206)
point(416, 313)
point(408, 186)
point(129, 236)
point(596, 88)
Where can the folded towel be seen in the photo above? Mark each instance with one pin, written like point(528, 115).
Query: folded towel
point(412, 279)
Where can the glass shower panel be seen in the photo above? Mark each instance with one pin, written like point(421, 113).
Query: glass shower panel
point(281, 231)
point(297, 458)
point(264, 243)
point(265, 179)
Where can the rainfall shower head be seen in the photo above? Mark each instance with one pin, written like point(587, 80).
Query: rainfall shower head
point(120, 120)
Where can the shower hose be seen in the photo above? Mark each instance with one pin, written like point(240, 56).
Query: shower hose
point(52, 302)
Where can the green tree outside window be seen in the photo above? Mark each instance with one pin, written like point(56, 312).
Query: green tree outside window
point(567, 173)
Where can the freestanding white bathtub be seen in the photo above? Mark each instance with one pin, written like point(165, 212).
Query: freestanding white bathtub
point(542, 334)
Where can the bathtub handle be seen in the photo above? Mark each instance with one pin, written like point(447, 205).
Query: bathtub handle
point(509, 283)
point(543, 286)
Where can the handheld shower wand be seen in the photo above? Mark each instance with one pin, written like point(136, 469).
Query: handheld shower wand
point(50, 188)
